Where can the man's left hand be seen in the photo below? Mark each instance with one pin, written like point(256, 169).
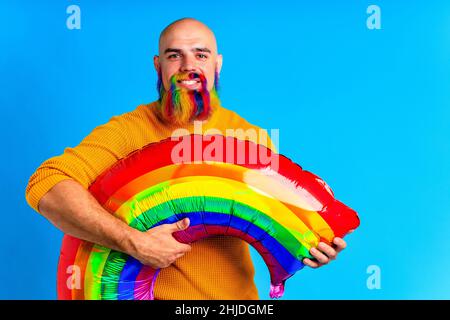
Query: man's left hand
point(325, 253)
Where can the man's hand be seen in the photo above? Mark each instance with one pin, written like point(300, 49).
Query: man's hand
point(324, 253)
point(157, 247)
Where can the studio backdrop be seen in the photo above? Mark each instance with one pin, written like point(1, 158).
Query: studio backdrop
point(359, 92)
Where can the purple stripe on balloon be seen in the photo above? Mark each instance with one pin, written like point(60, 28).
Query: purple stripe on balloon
point(145, 281)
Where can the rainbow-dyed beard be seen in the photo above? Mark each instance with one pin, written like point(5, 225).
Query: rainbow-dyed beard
point(180, 106)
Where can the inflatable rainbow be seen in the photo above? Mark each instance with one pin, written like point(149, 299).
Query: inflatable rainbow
point(225, 186)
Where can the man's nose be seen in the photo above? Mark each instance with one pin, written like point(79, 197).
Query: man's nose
point(188, 64)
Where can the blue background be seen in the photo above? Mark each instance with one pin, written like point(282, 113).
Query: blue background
point(367, 110)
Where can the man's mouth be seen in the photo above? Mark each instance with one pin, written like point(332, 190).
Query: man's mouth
point(190, 81)
point(191, 84)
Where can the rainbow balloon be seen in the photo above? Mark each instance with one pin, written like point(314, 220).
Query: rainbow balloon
point(225, 186)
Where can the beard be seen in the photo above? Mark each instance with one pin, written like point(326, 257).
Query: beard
point(180, 106)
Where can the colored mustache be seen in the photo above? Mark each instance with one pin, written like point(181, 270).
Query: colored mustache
point(191, 78)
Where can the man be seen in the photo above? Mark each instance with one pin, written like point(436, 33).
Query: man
point(219, 267)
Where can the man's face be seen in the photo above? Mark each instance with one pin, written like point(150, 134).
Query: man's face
point(188, 47)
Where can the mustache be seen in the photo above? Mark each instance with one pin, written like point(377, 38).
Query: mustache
point(189, 76)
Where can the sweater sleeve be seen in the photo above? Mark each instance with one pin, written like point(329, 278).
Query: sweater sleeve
point(98, 151)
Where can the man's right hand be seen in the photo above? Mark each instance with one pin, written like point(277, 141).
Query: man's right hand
point(157, 247)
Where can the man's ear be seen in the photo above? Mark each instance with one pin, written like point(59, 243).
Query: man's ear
point(219, 60)
point(156, 63)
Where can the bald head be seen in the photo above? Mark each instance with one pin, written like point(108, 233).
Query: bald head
point(187, 28)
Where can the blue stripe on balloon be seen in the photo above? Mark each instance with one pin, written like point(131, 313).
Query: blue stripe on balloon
point(125, 288)
point(212, 218)
point(289, 263)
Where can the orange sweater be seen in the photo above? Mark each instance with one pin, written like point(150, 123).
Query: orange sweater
point(217, 267)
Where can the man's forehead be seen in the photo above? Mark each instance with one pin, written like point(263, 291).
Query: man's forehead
point(190, 44)
point(187, 35)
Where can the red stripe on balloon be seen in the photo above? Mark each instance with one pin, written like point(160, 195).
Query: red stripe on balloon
point(144, 160)
point(69, 249)
point(234, 151)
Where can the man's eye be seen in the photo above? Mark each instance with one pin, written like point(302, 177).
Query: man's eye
point(202, 56)
point(173, 56)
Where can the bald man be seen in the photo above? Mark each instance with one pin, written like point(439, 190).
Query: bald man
point(188, 66)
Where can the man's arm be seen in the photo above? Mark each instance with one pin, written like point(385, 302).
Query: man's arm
point(59, 191)
point(71, 208)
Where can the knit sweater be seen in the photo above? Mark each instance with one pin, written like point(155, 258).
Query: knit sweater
point(218, 267)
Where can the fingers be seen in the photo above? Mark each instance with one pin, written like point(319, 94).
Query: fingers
point(319, 256)
point(325, 253)
point(340, 244)
point(171, 256)
point(179, 225)
point(327, 250)
point(180, 251)
point(183, 248)
point(162, 248)
point(179, 255)
point(311, 263)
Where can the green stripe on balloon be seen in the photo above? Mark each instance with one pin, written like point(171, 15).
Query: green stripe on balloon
point(111, 275)
point(97, 260)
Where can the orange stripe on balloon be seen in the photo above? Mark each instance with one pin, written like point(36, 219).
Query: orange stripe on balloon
point(81, 260)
